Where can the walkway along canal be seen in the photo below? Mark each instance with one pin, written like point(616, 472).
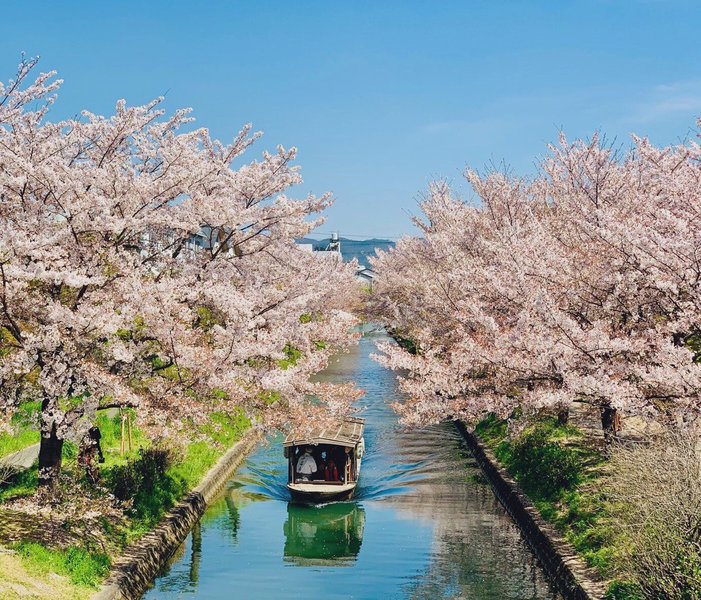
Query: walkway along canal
point(423, 524)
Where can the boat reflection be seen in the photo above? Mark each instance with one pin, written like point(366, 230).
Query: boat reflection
point(328, 535)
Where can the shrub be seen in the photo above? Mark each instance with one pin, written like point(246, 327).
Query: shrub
point(147, 483)
point(544, 467)
point(623, 591)
point(655, 499)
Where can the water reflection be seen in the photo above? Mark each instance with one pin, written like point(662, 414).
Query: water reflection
point(234, 515)
point(328, 535)
point(196, 553)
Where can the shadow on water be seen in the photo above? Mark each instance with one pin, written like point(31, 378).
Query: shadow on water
point(421, 526)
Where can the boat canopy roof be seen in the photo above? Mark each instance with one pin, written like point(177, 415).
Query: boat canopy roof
point(346, 433)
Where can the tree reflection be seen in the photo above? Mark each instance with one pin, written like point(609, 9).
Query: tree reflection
point(196, 553)
point(234, 516)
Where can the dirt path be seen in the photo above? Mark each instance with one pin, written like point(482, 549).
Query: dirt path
point(23, 459)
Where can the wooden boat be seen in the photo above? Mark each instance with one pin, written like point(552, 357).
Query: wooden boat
point(336, 454)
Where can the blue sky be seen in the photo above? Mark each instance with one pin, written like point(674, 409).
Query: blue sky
point(380, 97)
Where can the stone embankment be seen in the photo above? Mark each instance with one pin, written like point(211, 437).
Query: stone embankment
point(573, 579)
point(135, 569)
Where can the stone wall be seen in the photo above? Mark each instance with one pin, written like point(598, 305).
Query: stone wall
point(135, 569)
point(573, 579)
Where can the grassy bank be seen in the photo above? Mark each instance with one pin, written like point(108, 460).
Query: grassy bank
point(24, 429)
point(156, 477)
point(562, 476)
point(22, 577)
point(150, 479)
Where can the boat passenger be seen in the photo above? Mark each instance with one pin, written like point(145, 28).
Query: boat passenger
point(331, 473)
point(321, 470)
point(306, 465)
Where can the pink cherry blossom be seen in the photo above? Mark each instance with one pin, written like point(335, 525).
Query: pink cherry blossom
point(583, 284)
point(139, 266)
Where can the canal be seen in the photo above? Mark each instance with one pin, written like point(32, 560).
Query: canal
point(423, 525)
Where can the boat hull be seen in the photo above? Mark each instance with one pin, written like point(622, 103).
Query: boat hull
point(319, 493)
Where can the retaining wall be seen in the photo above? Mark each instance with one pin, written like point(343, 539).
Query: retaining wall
point(571, 576)
point(136, 568)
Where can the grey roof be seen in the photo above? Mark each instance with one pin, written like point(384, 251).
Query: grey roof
point(346, 433)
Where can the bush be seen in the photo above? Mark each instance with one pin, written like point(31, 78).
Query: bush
point(562, 476)
point(159, 477)
point(654, 494)
point(147, 483)
point(623, 591)
point(544, 467)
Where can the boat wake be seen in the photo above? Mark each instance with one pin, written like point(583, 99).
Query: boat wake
point(395, 463)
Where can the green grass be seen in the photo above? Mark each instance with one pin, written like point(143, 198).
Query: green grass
point(199, 457)
point(149, 484)
point(25, 425)
point(82, 567)
point(560, 475)
point(22, 485)
point(155, 480)
point(9, 444)
point(224, 431)
point(111, 439)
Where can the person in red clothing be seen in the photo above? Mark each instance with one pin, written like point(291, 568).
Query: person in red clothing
point(331, 471)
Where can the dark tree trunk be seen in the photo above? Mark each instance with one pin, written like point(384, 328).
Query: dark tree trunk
point(610, 423)
point(563, 416)
point(50, 460)
point(88, 455)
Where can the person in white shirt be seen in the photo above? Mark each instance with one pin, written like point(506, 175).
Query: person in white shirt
point(306, 465)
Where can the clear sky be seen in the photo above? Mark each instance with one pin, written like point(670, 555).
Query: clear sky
point(380, 97)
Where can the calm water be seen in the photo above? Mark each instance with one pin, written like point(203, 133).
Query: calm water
point(422, 525)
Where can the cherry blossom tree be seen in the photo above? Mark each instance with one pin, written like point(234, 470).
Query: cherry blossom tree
point(581, 285)
point(144, 264)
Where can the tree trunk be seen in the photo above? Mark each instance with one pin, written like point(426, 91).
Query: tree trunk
point(88, 453)
point(610, 423)
point(563, 416)
point(50, 461)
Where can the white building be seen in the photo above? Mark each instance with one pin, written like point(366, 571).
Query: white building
point(366, 276)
